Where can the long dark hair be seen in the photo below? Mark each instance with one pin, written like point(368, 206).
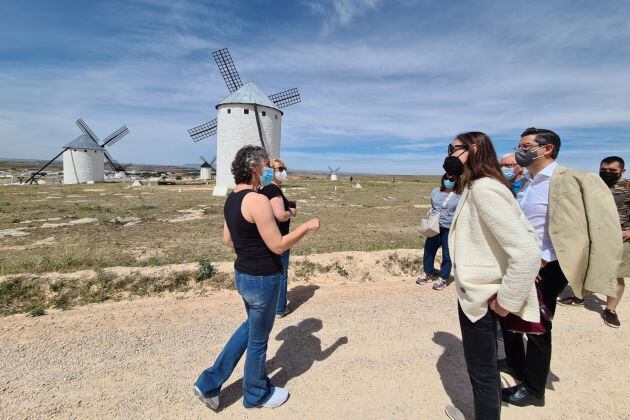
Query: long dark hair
point(457, 188)
point(482, 162)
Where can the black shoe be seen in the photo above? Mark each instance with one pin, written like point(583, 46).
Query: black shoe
point(505, 368)
point(507, 392)
point(523, 397)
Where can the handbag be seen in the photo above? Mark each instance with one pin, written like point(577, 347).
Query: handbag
point(430, 224)
point(516, 324)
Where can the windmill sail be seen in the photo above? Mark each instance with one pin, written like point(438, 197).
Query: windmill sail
point(227, 69)
point(203, 131)
point(286, 98)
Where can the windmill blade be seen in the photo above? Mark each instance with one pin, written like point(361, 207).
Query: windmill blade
point(203, 131)
point(337, 170)
point(227, 69)
point(330, 169)
point(214, 159)
point(87, 130)
point(203, 159)
point(34, 174)
point(112, 162)
point(115, 136)
point(286, 98)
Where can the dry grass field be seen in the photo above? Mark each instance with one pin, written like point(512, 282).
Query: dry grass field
point(65, 228)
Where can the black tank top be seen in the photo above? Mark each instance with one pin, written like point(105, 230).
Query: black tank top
point(252, 255)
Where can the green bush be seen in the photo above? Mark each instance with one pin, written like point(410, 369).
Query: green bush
point(206, 269)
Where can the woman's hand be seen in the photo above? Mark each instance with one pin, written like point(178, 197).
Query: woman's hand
point(313, 225)
point(498, 309)
point(293, 211)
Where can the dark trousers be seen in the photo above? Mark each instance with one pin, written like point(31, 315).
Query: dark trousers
point(480, 351)
point(533, 365)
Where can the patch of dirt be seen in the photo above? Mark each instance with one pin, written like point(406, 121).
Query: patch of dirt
point(36, 244)
point(188, 215)
point(126, 221)
point(82, 221)
point(14, 232)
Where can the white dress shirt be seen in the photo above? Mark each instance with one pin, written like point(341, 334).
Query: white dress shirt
point(534, 200)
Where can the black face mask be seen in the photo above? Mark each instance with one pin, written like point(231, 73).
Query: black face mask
point(610, 178)
point(453, 166)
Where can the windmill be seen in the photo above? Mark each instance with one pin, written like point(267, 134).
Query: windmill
point(333, 173)
point(84, 157)
point(206, 169)
point(235, 126)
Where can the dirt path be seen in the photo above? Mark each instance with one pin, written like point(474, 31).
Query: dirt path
point(403, 357)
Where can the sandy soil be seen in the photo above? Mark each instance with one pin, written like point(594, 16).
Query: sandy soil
point(384, 348)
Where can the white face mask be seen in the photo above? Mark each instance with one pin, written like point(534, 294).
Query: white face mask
point(281, 176)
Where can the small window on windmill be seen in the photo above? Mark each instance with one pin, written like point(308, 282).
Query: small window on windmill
point(246, 111)
point(276, 116)
point(229, 111)
point(84, 151)
point(263, 113)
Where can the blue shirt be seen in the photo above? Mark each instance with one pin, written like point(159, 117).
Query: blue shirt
point(447, 211)
point(518, 185)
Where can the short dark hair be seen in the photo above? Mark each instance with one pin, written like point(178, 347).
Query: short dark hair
point(613, 159)
point(543, 138)
point(246, 158)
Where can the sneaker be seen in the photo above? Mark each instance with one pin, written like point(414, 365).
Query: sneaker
point(439, 284)
point(610, 318)
point(570, 301)
point(423, 279)
point(453, 413)
point(211, 402)
point(279, 397)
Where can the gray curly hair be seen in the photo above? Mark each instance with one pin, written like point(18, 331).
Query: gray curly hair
point(247, 158)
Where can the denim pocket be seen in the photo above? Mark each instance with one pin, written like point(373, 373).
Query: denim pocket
point(249, 287)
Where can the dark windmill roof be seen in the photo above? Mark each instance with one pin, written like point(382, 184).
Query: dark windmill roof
point(205, 165)
point(83, 142)
point(249, 93)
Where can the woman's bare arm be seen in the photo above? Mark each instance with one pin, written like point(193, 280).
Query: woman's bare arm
point(227, 238)
point(258, 208)
point(278, 209)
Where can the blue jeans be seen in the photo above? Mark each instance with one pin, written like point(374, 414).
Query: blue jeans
point(284, 279)
point(431, 247)
point(260, 294)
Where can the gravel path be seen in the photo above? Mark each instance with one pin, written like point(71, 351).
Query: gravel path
point(376, 349)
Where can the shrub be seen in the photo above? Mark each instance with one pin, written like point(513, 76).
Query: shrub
point(37, 312)
point(206, 269)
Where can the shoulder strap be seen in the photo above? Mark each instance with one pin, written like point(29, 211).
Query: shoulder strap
point(447, 198)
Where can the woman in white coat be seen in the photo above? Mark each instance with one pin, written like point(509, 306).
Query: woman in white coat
point(496, 260)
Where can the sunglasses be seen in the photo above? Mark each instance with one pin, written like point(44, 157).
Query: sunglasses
point(452, 148)
point(281, 168)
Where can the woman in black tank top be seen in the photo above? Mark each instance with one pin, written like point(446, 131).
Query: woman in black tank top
point(251, 229)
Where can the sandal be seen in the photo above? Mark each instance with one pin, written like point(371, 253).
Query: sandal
point(423, 279)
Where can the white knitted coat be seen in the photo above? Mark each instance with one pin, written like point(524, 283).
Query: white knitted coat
point(495, 251)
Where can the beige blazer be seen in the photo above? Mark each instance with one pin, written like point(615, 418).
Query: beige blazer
point(584, 230)
point(495, 251)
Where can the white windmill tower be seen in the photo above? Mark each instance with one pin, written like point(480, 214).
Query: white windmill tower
point(206, 169)
point(333, 173)
point(245, 117)
point(84, 157)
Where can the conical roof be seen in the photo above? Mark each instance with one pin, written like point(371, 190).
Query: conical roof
point(205, 165)
point(83, 142)
point(249, 93)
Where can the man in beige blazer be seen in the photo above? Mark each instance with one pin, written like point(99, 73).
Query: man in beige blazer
point(576, 220)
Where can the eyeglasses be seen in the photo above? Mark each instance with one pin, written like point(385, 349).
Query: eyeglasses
point(527, 146)
point(281, 168)
point(452, 148)
point(509, 165)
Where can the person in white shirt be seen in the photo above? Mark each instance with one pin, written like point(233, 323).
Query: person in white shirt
point(575, 219)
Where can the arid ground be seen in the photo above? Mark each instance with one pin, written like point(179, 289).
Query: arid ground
point(114, 299)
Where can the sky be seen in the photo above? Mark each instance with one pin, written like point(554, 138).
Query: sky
point(385, 85)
